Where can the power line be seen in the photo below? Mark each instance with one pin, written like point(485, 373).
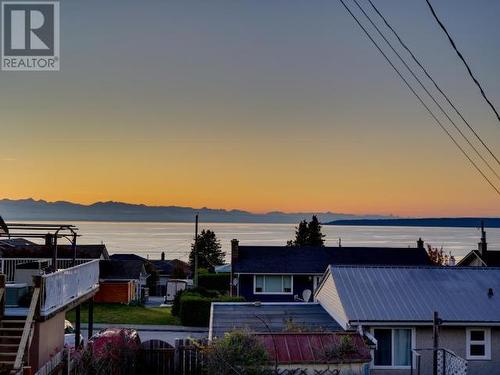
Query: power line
point(426, 90)
point(433, 81)
point(419, 98)
point(452, 42)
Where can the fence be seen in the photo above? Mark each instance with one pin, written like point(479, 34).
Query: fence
point(8, 265)
point(62, 287)
point(448, 363)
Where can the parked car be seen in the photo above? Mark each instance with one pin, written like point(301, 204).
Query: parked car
point(69, 336)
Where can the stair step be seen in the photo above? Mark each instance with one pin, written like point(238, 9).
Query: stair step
point(8, 354)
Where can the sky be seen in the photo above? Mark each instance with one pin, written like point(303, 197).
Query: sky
point(252, 104)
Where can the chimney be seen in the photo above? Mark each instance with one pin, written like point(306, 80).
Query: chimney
point(162, 255)
point(49, 239)
point(483, 245)
point(234, 251)
point(420, 243)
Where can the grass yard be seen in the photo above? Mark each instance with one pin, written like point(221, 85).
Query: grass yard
point(123, 314)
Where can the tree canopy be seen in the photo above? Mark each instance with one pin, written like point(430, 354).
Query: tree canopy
point(308, 234)
point(210, 252)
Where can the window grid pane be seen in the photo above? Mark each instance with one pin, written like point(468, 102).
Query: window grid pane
point(402, 347)
point(383, 353)
point(287, 284)
point(273, 284)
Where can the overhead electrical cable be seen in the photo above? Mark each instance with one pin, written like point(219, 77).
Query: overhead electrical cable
point(427, 91)
point(419, 98)
point(417, 61)
point(469, 70)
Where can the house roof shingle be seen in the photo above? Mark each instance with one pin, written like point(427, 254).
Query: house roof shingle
point(315, 260)
point(263, 317)
point(20, 248)
point(411, 294)
point(121, 269)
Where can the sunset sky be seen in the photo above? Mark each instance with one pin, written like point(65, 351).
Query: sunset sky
point(252, 104)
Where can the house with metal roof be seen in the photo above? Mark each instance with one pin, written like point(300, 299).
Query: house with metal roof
point(269, 317)
point(482, 257)
point(317, 352)
point(396, 306)
point(283, 273)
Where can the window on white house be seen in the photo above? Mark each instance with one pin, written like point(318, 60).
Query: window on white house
point(478, 343)
point(273, 284)
point(393, 347)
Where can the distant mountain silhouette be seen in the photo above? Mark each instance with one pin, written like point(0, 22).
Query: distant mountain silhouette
point(29, 209)
point(463, 222)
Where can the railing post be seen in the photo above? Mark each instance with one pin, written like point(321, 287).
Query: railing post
point(77, 326)
point(91, 318)
point(3, 295)
point(38, 283)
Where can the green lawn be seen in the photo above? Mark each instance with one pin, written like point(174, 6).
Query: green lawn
point(123, 314)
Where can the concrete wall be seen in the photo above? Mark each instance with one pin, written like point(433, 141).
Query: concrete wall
point(452, 338)
point(48, 339)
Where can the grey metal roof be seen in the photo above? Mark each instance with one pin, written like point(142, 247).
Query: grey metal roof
point(274, 317)
point(393, 294)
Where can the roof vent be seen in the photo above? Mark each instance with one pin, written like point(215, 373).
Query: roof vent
point(490, 292)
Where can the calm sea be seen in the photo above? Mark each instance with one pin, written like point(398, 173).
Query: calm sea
point(150, 239)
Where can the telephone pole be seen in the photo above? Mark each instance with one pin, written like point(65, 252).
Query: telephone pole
point(195, 281)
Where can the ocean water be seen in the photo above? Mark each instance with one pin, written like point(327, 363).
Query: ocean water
point(150, 239)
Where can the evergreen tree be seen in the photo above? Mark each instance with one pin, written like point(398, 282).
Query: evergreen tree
point(308, 234)
point(209, 250)
point(316, 237)
point(301, 235)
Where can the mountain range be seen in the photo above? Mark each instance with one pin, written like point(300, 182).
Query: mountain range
point(30, 209)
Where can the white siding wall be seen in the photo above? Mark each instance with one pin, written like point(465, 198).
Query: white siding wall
point(328, 297)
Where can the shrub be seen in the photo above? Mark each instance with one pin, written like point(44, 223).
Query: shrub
point(195, 309)
point(200, 291)
point(215, 281)
point(337, 352)
point(236, 352)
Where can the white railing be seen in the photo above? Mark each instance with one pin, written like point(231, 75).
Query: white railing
point(8, 265)
point(62, 287)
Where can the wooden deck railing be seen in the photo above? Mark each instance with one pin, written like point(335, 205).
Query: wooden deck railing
point(63, 287)
point(8, 265)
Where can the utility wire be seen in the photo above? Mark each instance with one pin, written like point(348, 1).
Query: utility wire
point(417, 61)
point(418, 97)
point(452, 42)
point(427, 91)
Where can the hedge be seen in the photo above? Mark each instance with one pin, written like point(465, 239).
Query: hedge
point(195, 309)
point(215, 281)
point(199, 291)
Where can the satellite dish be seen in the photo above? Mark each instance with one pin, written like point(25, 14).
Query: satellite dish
point(4, 229)
point(306, 295)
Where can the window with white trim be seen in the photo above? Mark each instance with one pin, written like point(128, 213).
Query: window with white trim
point(273, 284)
point(393, 347)
point(478, 342)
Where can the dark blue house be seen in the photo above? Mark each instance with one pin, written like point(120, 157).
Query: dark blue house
point(283, 273)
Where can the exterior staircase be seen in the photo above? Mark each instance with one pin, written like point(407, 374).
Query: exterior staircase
point(11, 331)
point(16, 334)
